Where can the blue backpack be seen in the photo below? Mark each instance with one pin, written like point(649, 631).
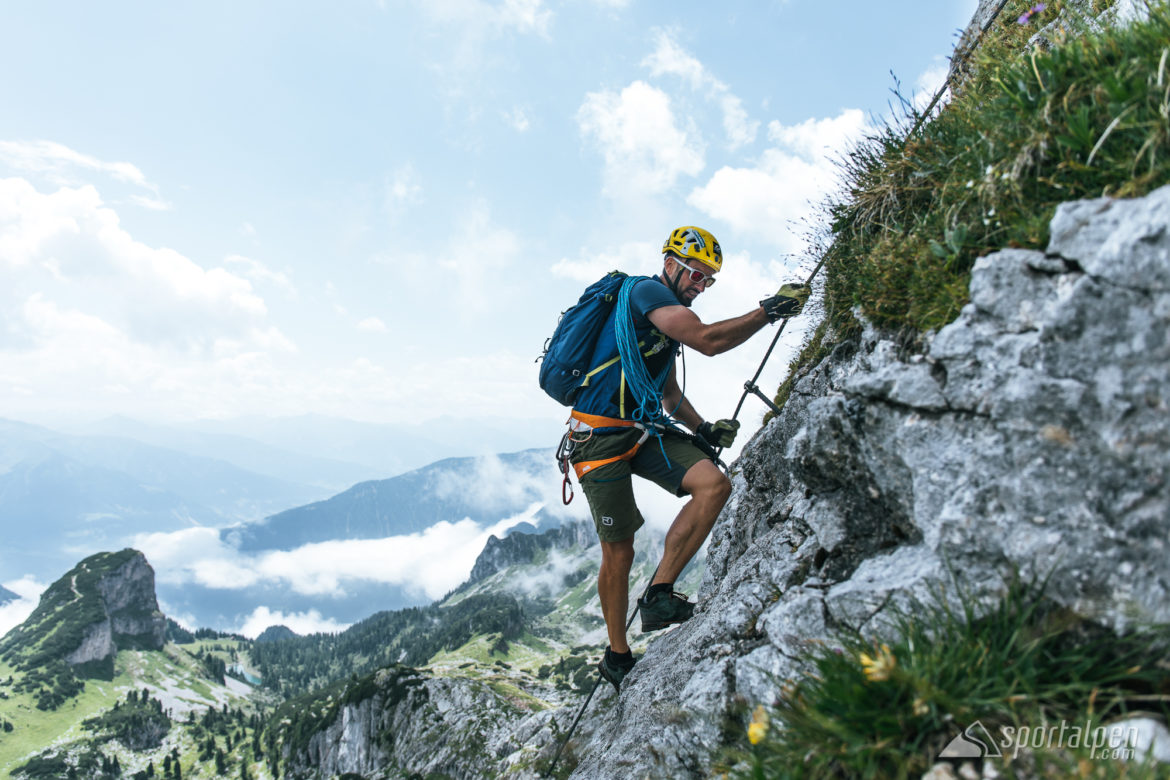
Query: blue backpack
point(567, 353)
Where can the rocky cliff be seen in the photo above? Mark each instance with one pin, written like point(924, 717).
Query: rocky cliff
point(104, 604)
point(1029, 435)
point(516, 548)
point(403, 722)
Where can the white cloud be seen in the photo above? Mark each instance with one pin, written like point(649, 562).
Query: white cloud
point(477, 17)
point(372, 325)
point(478, 254)
point(525, 16)
point(83, 304)
point(670, 58)
point(57, 162)
point(262, 274)
point(517, 119)
point(303, 623)
point(786, 184)
point(15, 612)
point(634, 257)
point(429, 563)
point(645, 151)
point(51, 157)
point(929, 82)
point(403, 191)
point(159, 292)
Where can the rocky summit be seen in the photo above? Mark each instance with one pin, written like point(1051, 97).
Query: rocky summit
point(104, 604)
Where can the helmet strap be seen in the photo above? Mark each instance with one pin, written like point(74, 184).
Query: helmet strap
point(674, 284)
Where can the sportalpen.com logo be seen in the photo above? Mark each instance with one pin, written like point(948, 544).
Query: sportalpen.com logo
point(1102, 742)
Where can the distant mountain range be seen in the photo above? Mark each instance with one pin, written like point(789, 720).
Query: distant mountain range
point(449, 490)
point(330, 452)
point(67, 495)
point(485, 490)
point(63, 496)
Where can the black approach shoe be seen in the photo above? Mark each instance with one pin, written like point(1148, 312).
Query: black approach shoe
point(660, 610)
point(614, 671)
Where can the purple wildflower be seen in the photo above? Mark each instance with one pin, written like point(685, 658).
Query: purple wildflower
point(1027, 15)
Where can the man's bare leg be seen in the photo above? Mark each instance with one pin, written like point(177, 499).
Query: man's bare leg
point(613, 588)
point(709, 490)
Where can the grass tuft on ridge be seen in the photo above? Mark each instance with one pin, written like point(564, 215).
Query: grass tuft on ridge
point(1027, 130)
point(886, 708)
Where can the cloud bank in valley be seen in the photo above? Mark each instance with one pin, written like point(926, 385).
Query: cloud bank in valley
point(15, 612)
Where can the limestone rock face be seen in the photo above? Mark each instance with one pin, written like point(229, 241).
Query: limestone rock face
point(104, 604)
point(1032, 435)
point(400, 721)
point(499, 554)
point(96, 645)
point(127, 594)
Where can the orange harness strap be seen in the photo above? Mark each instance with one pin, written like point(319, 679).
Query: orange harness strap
point(598, 421)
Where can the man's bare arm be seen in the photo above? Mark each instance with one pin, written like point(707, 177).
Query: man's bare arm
point(677, 406)
point(682, 325)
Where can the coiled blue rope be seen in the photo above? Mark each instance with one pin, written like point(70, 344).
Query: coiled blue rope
point(646, 390)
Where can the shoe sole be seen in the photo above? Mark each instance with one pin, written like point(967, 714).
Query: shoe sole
point(647, 627)
point(617, 686)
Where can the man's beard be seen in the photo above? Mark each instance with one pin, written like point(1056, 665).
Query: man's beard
point(684, 300)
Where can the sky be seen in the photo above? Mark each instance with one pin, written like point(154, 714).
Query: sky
point(377, 209)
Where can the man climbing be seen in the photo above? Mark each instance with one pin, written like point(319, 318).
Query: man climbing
point(608, 442)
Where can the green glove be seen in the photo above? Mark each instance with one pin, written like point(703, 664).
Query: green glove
point(719, 434)
point(787, 302)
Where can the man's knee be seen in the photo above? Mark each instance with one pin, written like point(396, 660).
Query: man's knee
point(618, 553)
point(722, 486)
point(705, 480)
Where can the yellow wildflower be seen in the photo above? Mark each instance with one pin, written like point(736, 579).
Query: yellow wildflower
point(920, 706)
point(759, 725)
point(880, 666)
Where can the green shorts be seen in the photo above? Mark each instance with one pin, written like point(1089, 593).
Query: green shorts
point(609, 489)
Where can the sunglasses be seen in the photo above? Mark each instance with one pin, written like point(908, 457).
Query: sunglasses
point(698, 277)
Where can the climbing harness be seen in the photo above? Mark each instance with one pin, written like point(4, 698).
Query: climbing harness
point(581, 426)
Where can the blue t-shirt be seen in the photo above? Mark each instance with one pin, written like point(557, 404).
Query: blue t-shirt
point(606, 392)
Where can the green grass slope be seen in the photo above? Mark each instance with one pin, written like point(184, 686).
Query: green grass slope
point(175, 676)
point(1027, 129)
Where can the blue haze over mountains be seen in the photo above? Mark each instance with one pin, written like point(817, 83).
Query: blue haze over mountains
point(286, 483)
point(446, 490)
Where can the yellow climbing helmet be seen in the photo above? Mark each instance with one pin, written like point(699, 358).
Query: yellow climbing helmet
point(694, 243)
